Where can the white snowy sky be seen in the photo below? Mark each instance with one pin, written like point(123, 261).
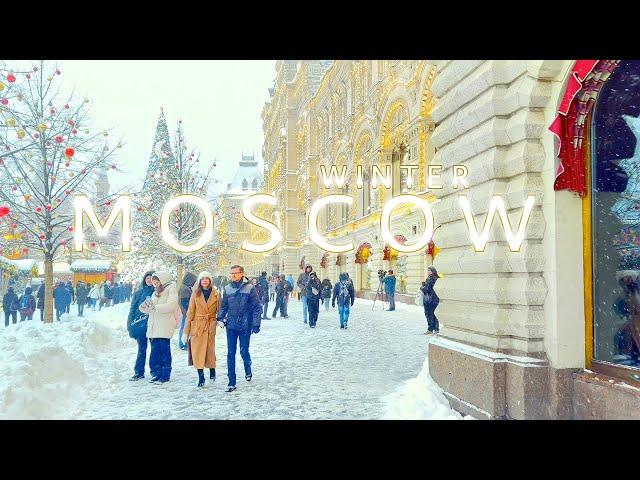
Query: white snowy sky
point(218, 101)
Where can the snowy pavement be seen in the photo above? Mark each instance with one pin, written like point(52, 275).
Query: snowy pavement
point(80, 368)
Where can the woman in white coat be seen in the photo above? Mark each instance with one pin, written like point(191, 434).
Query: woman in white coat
point(93, 296)
point(161, 325)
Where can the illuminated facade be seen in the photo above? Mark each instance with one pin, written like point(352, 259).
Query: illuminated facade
point(517, 329)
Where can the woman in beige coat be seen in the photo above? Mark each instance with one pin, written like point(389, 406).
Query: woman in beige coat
point(161, 324)
point(201, 325)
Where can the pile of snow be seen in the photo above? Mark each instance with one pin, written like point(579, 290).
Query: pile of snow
point(419, 399)
point(46, 370)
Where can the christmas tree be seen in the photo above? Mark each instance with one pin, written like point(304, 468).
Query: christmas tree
point(171, 173)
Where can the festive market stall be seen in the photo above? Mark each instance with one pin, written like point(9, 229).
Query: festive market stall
point(92, 271)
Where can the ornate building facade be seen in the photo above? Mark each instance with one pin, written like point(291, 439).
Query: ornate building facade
point(521, 332)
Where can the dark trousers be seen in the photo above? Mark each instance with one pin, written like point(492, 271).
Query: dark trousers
point(141, 359)
point(7, 315)
point(160, 358)
point(59, 311)
point(265, 308)
point(391, 298)
point(314, 307)
point(432, 320)
point(42, 314)
point(280, 305)
point(232, 341)
point(81, 309)
point(24, 317)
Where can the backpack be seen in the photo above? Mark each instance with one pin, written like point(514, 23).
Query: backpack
point(344, 297)
point(23, 306)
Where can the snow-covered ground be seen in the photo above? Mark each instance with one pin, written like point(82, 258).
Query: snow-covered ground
point(80, 368)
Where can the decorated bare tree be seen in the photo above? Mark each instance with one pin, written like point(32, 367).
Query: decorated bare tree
point(173, 172)
point(49, 154)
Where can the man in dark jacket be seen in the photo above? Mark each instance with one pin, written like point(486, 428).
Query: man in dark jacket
point(184, 295)
point(264, 289)
point(26, 305)
point(40, 303)
point(82, 292)
point(390, 290)
point(61, 298)
point(140, 333)
point(313, 294)
point(108, 293)
point(344, 293)
point(240, 313)
point(302, 282)
point(10, 306)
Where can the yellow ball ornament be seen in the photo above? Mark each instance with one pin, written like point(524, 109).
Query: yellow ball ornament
point(11, 122)
point(1, 86)
point(41, 128)
point(21, 134)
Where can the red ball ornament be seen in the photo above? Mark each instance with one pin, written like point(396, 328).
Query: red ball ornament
point(70, 229)
point(66, 106)
point(14, 188)
point(67, 192)
point(25, 250)
point(13, 225)
point(57, 72)
point(92, 244)
point(53, 111)
point(4, 101)
point(42, 237)
point(74, 131)
point(59, 139)
point(113, 166)
point(28, 75)
point(58, 200)
point(36, 135)
point(4, 211)
point(38, 209)
point(35, 69)
point(11, 78)
point(71, 122)
point(1, 161)
point(63, 242)
point(69, 152)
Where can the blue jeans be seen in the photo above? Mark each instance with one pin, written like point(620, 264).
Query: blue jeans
point(305, 313)
point(343, 311)
point(160, 358)
point(141, 359)
point(182, 322)
point(265, 308)
point(232, 341)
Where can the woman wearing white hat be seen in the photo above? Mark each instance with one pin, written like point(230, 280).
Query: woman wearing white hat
point(200, 324)
point(161, 324)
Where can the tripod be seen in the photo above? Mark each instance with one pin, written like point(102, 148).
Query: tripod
point(379, 293)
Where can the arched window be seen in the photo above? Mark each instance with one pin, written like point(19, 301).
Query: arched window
point(245, 186)
point(254, 184)
point(615, 225)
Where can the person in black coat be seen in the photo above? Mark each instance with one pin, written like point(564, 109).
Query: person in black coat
point(240, 313)
point(138, 333)
point(40, 304)
point(82, 292)
point(72, 296)
point(327, 288)
point(10, 306)
point(430, 301)
point(264, 292)
point(313, 294)
point(344, 294)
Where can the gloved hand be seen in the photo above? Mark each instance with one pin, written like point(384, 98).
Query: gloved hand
point(184, 338)
point(255, 329)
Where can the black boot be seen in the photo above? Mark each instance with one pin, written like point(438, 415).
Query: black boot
point(212, 374)
point(200, 377)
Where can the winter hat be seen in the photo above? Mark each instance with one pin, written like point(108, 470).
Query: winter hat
point(164, 277)
point(308, 266)
point(202, 275)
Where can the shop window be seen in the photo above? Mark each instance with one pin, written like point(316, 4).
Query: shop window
point(615, 222)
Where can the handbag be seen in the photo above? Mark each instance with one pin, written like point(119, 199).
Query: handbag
point(419, 298)
point(138, 328)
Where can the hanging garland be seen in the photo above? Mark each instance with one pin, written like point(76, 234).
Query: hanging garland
point(363, 253)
